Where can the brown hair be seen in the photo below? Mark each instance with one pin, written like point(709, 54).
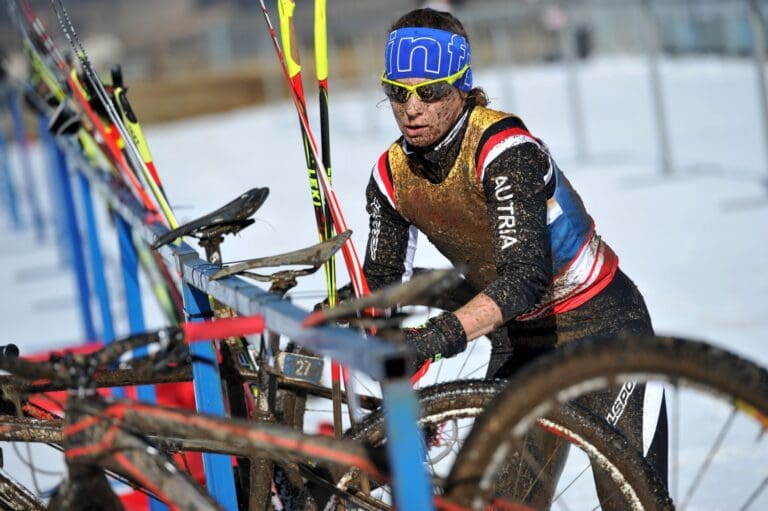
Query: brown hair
point(431, 18)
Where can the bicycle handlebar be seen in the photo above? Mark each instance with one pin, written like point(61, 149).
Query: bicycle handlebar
point(59, 368)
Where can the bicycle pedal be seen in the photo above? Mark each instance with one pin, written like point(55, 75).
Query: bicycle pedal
point(300, 367)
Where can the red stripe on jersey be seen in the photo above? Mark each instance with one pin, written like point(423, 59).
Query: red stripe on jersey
point(607, 272)
point(494, 141)
point(385, 177)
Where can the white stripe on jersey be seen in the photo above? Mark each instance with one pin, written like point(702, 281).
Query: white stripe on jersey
point(382, 187)
point(502, 146)
point(581, 274)
point(550, 171)
point(410, 252)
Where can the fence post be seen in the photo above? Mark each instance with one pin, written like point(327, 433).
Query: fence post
point(570, 59)
point(502, 46)
point(74, 241)
point(26, 164)
point(6, 179)
point(653, 46)
point(405, 446)
point(219, 476)
point(97, 261)
point(757, 23)
point(129, 264)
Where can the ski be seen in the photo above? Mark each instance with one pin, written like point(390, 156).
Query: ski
point(33, 32)
point(119, 94)
point(65, 121)
point(349, 252)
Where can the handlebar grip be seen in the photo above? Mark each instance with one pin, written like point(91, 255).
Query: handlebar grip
point(222, 328)
point(9, 350)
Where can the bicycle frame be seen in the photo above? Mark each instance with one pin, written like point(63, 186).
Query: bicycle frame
point(131, 439)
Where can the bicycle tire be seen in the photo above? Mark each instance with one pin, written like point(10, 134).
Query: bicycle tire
point(468, 399)
point(587, 366)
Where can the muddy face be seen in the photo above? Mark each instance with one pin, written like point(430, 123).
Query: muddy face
point(422, 124)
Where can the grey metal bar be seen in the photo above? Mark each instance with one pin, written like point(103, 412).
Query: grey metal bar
point(573, 85)
point(757, 23)
point(379, 360)
point(653, 45)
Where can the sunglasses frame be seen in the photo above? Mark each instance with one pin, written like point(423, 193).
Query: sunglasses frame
point(414, 89)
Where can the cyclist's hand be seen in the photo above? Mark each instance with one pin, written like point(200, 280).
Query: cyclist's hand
point(440, 337)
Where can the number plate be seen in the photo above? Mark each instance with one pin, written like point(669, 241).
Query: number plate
point(301, 367)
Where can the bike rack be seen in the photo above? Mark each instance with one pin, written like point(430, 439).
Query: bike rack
point(379, 360)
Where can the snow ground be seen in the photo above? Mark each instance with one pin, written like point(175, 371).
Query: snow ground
point(694, 242)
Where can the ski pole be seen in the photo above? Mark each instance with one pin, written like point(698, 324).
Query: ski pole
point(351, 258)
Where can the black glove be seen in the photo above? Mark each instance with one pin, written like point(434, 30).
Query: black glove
point(440, 337)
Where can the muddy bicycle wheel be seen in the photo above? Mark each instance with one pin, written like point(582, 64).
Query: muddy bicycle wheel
point(448, 413)
point(718, 413)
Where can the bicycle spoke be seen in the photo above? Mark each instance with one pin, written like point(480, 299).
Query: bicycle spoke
point(708, 461)
point(535, 468)
point(753, 496)
point(573, 481)
point(674, 442)
point(361, 383)
point(476, 370)
point(466, 359)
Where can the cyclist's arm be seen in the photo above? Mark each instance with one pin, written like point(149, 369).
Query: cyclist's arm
point(388, 258)
point(516, 194)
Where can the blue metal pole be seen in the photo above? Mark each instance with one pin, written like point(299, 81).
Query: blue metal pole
point(129, 262)
point(97, 261)
point(219, 476)
point(75, 244)
point(9, 192)
point(26, 164)
point(54, 190)
point(413, 490)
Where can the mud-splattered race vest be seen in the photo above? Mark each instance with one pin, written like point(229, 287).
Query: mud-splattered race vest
point(453, 214)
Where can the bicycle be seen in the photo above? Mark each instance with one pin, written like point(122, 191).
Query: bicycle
point(442, 403)
point(738, 384)
point(105, 433)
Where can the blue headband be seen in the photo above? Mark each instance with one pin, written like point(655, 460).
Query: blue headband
point(417, 52)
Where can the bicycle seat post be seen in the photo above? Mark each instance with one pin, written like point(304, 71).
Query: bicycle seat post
point(212, 246)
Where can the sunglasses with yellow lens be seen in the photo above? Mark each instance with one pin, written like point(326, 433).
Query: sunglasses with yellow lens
point(428, 92)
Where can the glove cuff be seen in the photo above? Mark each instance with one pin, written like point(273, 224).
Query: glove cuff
point(453, 334)
point(441, 337)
